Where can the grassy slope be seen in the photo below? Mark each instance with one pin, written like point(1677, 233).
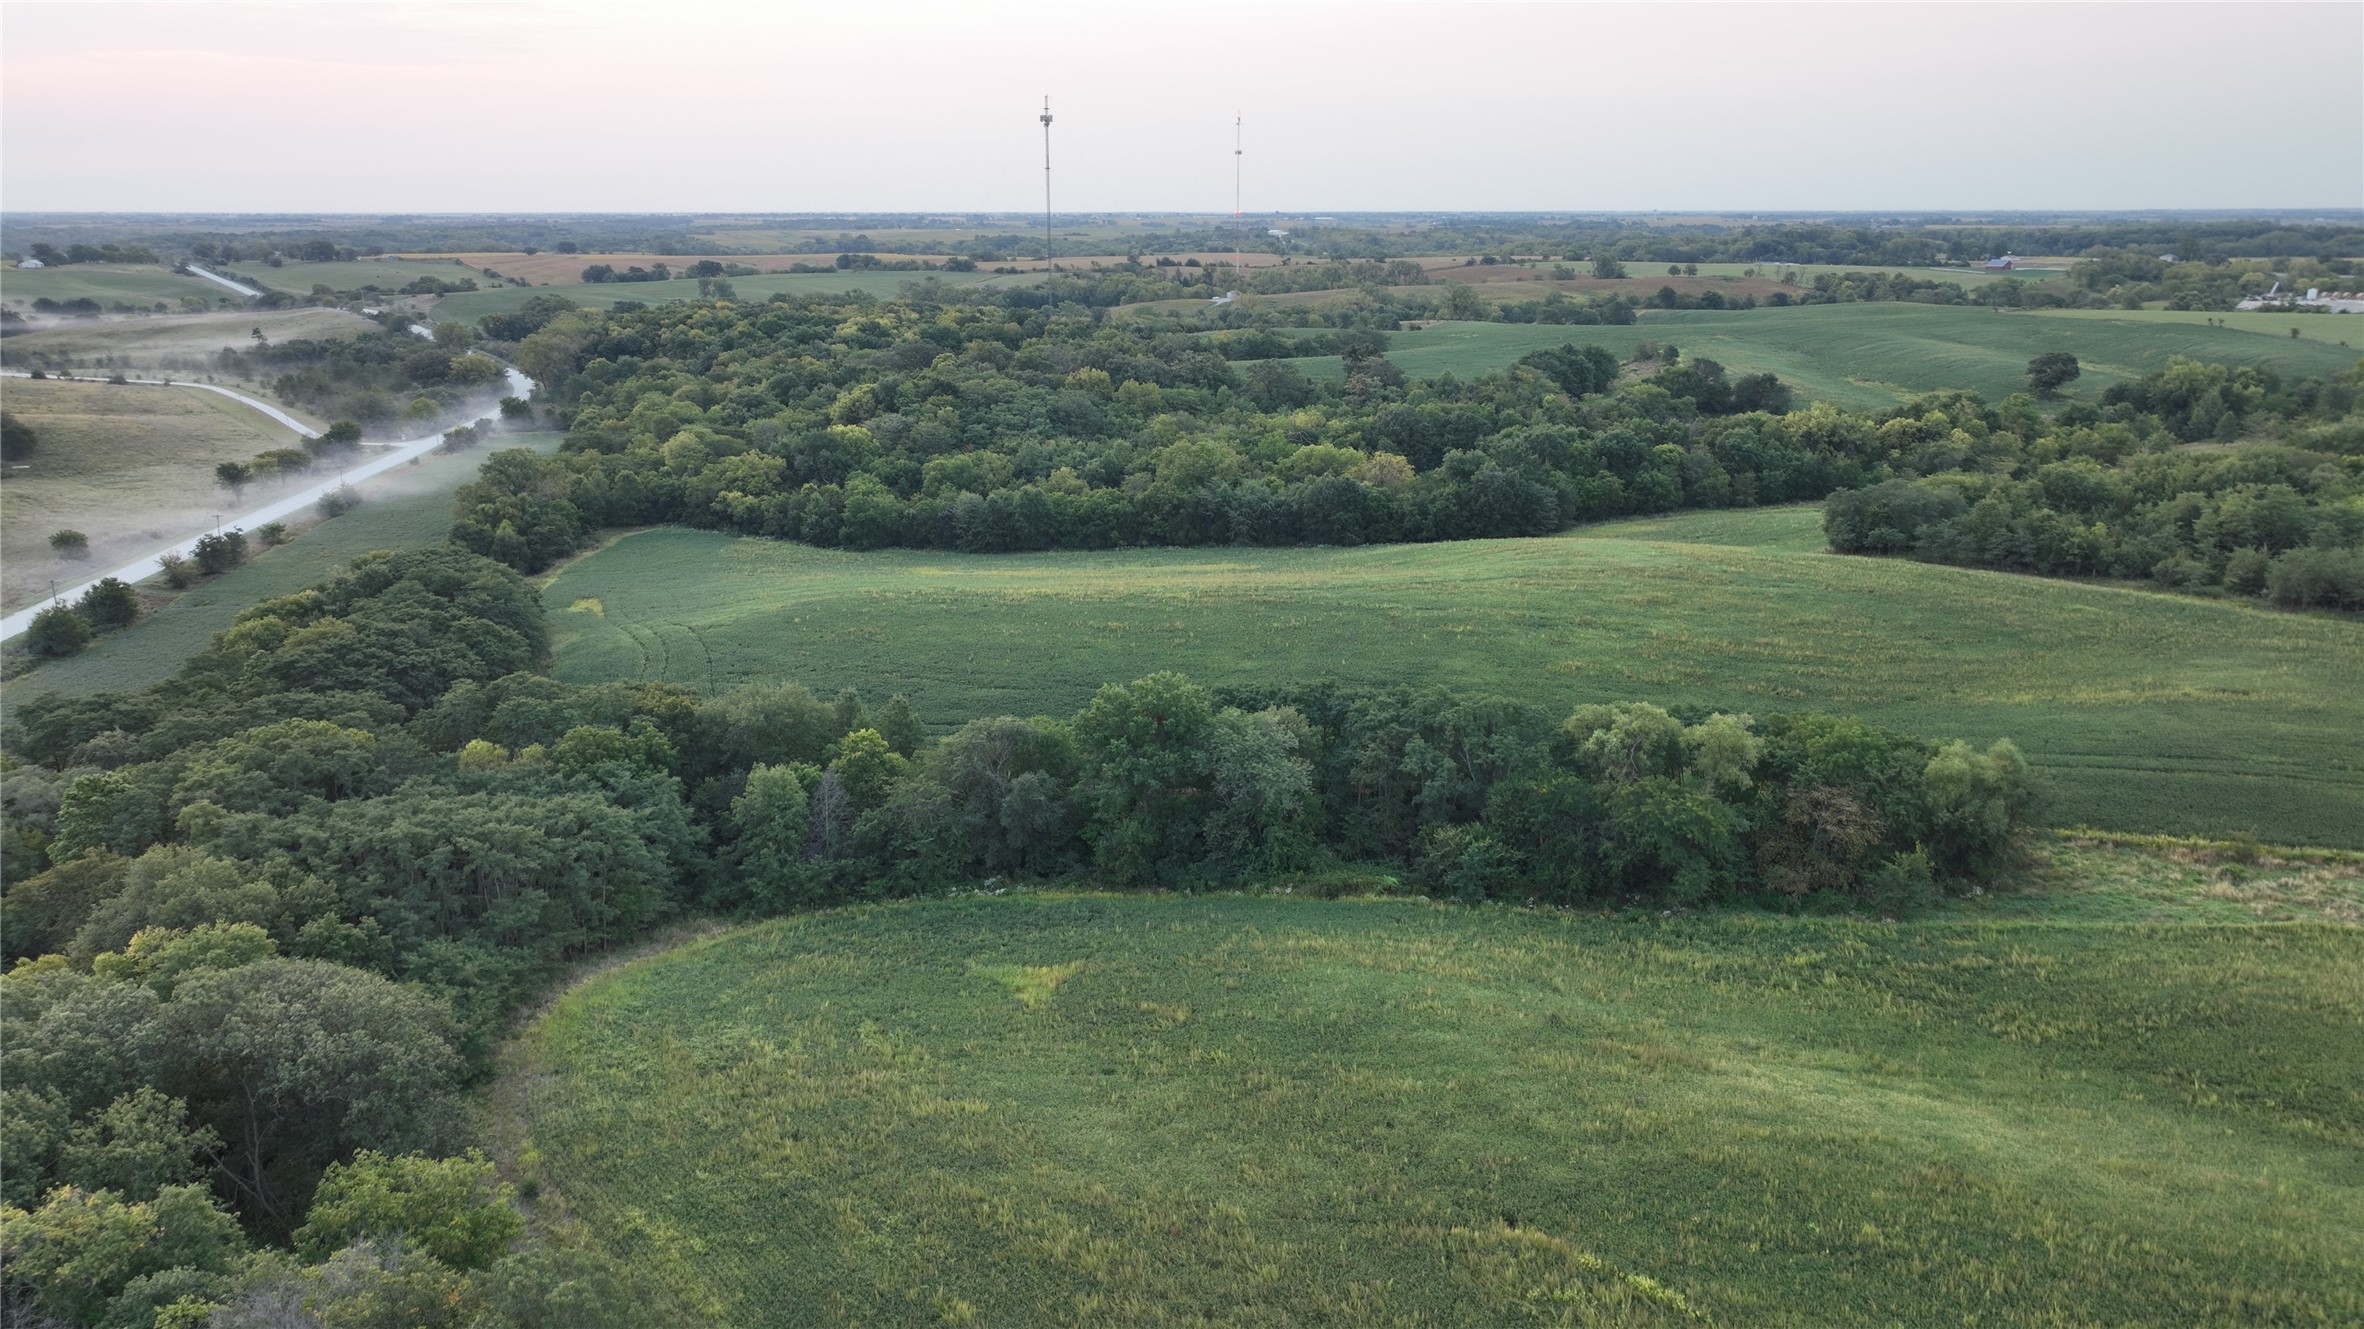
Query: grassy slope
point(2151, 712)
point(403, 509)
point(1870, 355)
point(1137, 1111)
point(107, 283)
point(126, 465)
point(469, 306)
point(175, 345)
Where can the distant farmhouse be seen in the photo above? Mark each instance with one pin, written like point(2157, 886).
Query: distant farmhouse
point(31, 263)
point(2003, 264)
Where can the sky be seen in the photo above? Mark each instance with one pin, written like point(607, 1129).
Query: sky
point(778, 107)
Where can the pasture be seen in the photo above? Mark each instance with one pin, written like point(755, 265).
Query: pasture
point(2146, 711)
point(468, 306)
point(130, 466)
point(1870, 356)
point(173, 345)
point(405, 508)
point(1223, 1110)
point(111, 284)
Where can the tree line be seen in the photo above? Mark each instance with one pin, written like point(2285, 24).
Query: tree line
point(866, 425)
point(269, 917)
point(2131, 498)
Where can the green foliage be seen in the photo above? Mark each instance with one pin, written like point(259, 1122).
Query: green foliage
point(109, 603)
point(2053, 370)
point(81, 1248)
point(219, 552)
point(769, 825)
point(69, 544)
point(454, 1209)
point(18, 440)
point(57, 631)
point(158, 957)
point(296, 1063)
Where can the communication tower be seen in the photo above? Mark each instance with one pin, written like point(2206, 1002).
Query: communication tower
point(1046, 201)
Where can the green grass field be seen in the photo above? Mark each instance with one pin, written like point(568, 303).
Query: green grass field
point(405, 508)
point(1869, 356)
point(468, 306)
point(140, 284)
point(388, 274)
point(2148, 711)
point(1098, 1110)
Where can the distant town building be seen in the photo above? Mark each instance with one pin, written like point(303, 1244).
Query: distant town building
point(32, 263)
point(2167, 258)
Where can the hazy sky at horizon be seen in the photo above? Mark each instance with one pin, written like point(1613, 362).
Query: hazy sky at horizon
point(367, 107)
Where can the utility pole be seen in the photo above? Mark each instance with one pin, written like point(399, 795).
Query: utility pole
point(1046, 202)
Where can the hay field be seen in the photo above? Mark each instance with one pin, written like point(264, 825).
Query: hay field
point(1104, 1110)
point(128, 466)
point(2146, 711)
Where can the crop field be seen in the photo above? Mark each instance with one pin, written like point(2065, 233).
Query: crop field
point(175, 345)
point(387, 274)
point(1226, 1110)
point(2147, 711)
point(1869, 356)
point(110, 284)
point(405, 508)
point(468, 306)
point(129, 466)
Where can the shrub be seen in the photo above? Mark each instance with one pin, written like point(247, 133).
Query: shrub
point(339, 501)
point(57, 631)
point(271, 534)
point(70, 544)
point(2315, 577)
point(179, 573)
point(111, 603)
point(220, 552)
point(2245, 572)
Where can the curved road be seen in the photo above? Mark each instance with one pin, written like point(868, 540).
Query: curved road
point(388, 457)
point(239, 397)
point(240, 287)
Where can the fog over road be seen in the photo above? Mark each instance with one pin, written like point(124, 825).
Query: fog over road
point(375, 461)
point(217, 278)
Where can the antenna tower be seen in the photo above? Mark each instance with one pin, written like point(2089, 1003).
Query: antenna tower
point(1046, 201)
point(1236, 268)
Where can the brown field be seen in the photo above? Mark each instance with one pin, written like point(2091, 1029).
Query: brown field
point(169, 345)
point(128, 466)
